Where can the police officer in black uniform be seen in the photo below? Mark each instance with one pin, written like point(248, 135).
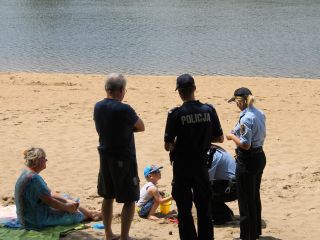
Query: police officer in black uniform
point(189, 131)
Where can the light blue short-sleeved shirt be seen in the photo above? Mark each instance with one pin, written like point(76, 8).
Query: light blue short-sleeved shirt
point(223, 166)
point(31, 211)
point(251, 128)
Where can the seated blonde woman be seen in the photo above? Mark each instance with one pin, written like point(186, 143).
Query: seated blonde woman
point(38, 207)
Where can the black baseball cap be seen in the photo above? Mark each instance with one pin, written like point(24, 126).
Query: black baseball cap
point(240, 92)
point(185, 81)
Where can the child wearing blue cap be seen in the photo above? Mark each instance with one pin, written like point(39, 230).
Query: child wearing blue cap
point(150, 196)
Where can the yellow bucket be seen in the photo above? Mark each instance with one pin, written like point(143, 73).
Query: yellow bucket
point(165, 207)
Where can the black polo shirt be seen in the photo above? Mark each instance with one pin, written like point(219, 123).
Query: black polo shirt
point(191, 127)
point(114, 122)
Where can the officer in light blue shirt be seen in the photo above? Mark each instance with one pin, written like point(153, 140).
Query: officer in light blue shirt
point(251, 128)
point(222, 178)
point(223, 166)
point(249, 135)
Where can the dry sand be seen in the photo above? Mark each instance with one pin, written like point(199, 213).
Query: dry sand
point(54, 111)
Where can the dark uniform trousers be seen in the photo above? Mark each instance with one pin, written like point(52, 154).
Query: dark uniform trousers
point(250, 165)
point(222, 191)
point(188, 187)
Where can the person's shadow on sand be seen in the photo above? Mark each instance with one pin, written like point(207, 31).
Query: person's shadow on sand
point(269, 238)
point(236, 222)
point(88, 236)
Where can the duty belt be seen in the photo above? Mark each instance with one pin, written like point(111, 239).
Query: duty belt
point(251, 150)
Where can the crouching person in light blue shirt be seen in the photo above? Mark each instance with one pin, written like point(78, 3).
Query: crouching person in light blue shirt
point(222, 178)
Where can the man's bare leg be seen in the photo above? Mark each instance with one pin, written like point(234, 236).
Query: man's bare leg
point(107, 212)
point(126, 219)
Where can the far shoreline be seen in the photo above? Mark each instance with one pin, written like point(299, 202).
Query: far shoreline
point(226, 77)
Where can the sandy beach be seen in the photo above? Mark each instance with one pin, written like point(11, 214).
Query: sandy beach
point(54, 111)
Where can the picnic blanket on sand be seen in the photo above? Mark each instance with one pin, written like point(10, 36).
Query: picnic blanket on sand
point(9, 229)
point(51, 233)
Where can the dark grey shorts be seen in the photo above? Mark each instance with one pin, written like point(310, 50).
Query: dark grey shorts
point(118, 178)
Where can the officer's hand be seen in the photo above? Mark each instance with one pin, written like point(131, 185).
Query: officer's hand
point(229, 136)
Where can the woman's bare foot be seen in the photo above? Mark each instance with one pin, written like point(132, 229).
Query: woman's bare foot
point(95, 216)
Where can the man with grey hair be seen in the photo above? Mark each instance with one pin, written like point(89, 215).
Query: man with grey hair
point(118, 175)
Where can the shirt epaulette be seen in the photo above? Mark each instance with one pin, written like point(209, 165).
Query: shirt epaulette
point(209, 105)
point(173, 110)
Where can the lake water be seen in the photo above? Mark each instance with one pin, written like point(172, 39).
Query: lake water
point(162, 37)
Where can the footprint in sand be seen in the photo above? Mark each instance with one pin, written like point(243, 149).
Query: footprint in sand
point(7, 200)
point(65, 84)
point(36, 83)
